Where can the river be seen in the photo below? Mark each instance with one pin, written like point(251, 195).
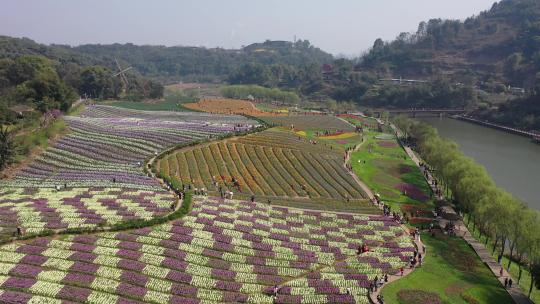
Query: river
point(512, 161)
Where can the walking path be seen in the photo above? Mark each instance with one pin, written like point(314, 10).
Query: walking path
point(417, 241)
point(515, 292)
point(364, 187)
point(406, 271)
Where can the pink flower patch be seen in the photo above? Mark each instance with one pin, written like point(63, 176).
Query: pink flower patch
point(412, 191)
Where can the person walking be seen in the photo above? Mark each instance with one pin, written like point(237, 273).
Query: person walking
point(505, 282)
point(501, 272)
point(510, 283)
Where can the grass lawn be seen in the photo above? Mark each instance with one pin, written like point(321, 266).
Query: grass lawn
point(514, 269)
point(169, 104)
point(385, 167)
point(340, 142)
point(451, 273)
point(266, 107)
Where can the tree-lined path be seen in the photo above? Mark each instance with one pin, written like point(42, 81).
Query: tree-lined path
point(515, 292)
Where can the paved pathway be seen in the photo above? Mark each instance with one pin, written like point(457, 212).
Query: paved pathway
point(515, 292)
point(417, 241)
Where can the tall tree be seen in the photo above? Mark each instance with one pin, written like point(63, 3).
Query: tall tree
point(7, 147)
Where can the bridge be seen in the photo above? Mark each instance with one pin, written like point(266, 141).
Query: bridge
point(414, 111)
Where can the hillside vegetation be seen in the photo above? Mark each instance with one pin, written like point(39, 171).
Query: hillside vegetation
point(501, 44)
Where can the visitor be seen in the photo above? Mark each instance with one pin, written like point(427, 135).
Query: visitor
point(276, 290)
point(386, 278)
point(501, 272)
point(510, 283)
point(401, 271)
point(505, 282)
point(253, 198)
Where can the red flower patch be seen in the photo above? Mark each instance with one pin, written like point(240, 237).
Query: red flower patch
point(412, 191)
point(420, 220)
point(387, 143)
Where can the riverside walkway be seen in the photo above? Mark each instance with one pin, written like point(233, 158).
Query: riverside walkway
point(515, 292)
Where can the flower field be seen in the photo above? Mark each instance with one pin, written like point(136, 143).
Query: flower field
point(98, 169)
point(108, 143)
point(311, 122)
point(36, 210)
point(384, 166)
point(272, 163)
point(223, 251)
point(229, 106)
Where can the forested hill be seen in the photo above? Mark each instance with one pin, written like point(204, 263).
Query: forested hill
point(197, 63)
point(501, 44)
point(177, 62)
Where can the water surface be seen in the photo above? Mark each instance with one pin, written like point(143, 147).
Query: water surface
point(512, 161)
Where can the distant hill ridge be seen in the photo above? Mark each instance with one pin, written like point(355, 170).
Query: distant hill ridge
point(175, 62)
point(502, 43)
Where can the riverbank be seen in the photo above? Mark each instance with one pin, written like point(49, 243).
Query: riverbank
point(513, 161)
point(533, 135)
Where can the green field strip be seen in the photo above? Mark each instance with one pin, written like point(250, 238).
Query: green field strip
point(349, 179)
point(194, 169)
point(204, 171)
point(241, 174)
point(292, 171)
point(270, 176)
point(326, 183)
point(249, 170)
point(340, 176)
point(310, 179)
point(184, 174)
point(261, 153)
point(220, 162)
point(210, 162)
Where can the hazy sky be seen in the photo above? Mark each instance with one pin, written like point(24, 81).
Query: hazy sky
point(338, 26)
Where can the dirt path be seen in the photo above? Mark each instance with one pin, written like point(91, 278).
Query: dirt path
point(362, 185)
point(406, 271)
point(515, 292)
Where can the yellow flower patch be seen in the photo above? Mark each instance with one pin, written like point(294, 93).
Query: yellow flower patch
point(340, 136)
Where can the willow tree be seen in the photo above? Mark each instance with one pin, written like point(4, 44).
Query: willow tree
point(7, 146)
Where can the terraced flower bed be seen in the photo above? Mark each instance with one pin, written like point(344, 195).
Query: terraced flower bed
point(36, 210)
point(269, 164)
point(229, 106)
point(108, 145)
point(311, 122)
point(223, 251)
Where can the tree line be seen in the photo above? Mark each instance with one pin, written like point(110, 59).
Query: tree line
point(496, 214)
point(40, 84)
point(259, 93)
